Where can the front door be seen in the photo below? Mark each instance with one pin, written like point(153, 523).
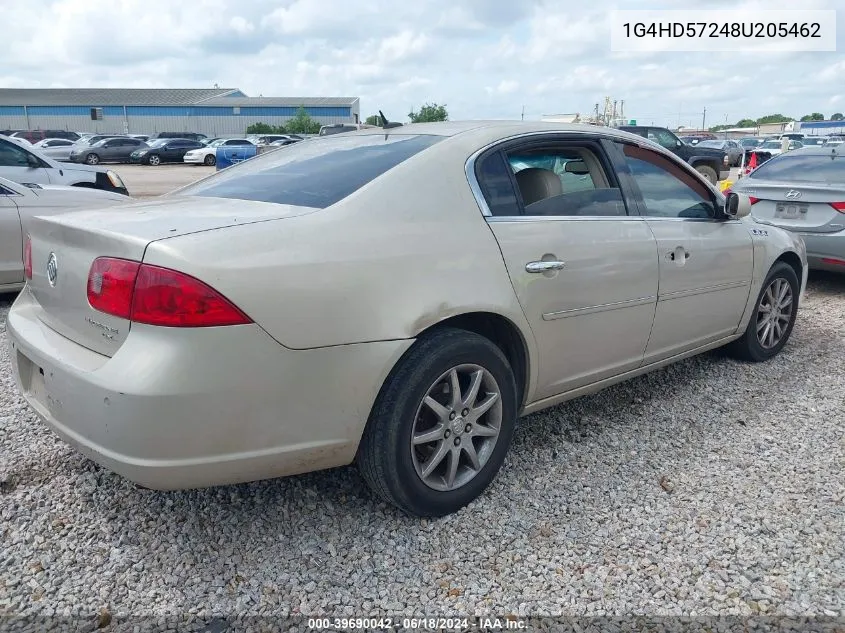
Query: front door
point(19, 165)
point(585, 272)
point(705, 263)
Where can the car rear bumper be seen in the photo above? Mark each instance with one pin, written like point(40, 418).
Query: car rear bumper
point(180, 408)
point(825, 250)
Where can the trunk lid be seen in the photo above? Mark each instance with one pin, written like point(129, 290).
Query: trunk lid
point(72, 241)
point(805, 207)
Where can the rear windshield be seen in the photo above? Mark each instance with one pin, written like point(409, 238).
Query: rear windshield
point(803, 168)
point(315, 173)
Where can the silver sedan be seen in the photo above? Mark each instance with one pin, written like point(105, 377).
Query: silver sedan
point(55, 148)
point(803, 191)
point(391, 297)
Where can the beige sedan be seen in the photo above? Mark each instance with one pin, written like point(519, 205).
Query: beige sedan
point(395, 298)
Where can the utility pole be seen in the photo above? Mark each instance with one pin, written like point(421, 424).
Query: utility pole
point(703, 119)
point(523, 113)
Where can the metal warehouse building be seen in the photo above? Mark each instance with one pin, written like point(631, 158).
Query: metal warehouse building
point(211, 111)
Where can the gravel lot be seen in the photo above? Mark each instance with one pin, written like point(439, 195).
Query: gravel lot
point(711, 487)
point(144, 181)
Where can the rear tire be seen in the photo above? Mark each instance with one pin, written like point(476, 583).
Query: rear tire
point(92, 159)
point(416, 419)
point(210, 160)
point(709, 173)
point(774, 316)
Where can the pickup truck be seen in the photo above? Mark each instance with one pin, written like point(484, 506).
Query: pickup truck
point(711, 163)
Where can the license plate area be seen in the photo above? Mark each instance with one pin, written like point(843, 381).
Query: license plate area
point(32, 381)
point(791, 211)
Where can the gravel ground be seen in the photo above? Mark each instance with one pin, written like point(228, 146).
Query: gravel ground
point(710, 487)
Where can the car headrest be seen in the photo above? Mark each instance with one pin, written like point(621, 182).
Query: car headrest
point(537, 184)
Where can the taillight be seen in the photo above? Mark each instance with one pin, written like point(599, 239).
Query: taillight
point(753, 199)
point(110, 284)
point(157, 296)
point(27, 258)
point(839, 206)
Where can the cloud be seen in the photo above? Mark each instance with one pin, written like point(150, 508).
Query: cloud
point(484, 58)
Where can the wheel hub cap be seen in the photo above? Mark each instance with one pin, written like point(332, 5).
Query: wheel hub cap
point(456, 427)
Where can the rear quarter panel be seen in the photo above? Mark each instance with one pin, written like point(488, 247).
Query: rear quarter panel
point(401, 254)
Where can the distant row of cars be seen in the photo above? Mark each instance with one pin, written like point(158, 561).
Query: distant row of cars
point(188, 147)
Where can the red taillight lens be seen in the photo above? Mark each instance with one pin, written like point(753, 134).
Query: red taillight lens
point(27, 258)
point(110, 284)
point(839, 206)
point(833, 261)
point(157, 296)
point(753, 199)
point(170, 298)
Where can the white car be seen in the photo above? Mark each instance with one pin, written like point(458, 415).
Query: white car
point(27, 165)
point(56, 148)
point(19, 203)
point(208, 155)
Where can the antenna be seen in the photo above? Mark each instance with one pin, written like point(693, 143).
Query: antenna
point(385, 124)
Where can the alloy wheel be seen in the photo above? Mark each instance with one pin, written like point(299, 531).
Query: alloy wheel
point(456, 427)
point(774, 313)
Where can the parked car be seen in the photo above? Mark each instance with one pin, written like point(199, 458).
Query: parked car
point(750, 142)
point(57, 148)
point(415, 346)
point(39, 135)
point(803, 191)
point(164, 150)
point(207, 155)
point(27, 165)
point(188, 135)
point(340, 128)
point(96, 138)
point(269, 139)
point(108, 150)
point(813, 141)
point(773, 147)
point(730, 147)
point(709, 162)
point(284, 141)
point(19, 203)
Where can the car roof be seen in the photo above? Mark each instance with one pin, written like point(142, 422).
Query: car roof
point(818, 150)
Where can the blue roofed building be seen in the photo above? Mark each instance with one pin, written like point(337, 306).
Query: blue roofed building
point(209, 111)
point(823, 128)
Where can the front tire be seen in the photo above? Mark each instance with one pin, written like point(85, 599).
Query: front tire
point(210, 160)
point(92, 159)
point(154, 160)
point(709, 173)
point(441, 425)
point(774, 316)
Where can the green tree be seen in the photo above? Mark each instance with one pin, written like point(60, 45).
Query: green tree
point(815, 116)
point(262, 128)
point(302, 123)
point(773, 118)
point(428, 113)
point(746, 123)
point(837, 116)
point(373, 119)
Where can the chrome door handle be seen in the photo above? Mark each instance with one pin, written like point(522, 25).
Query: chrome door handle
point(542, 267)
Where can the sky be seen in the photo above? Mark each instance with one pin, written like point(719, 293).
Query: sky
point(483, 59)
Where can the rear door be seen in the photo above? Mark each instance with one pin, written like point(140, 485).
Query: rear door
point(705, 263)
point(584, 270)
point(11, 242)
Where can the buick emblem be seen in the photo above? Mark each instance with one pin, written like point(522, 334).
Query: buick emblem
point(52, 269)
point(793, 194)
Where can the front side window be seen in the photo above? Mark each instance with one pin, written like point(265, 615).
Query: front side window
point(12, 156)
point(315, 174)
point(668, 190)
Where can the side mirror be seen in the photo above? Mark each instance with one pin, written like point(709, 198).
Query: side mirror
point(32, 161)
point(737, 205)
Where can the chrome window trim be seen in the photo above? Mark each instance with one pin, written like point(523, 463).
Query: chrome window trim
point(6, 192)
point(621, 136)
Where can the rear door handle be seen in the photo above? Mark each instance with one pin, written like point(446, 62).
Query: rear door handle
point(543, 266)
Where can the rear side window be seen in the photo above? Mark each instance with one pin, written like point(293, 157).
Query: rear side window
point(817, 168)
point(316, 173)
